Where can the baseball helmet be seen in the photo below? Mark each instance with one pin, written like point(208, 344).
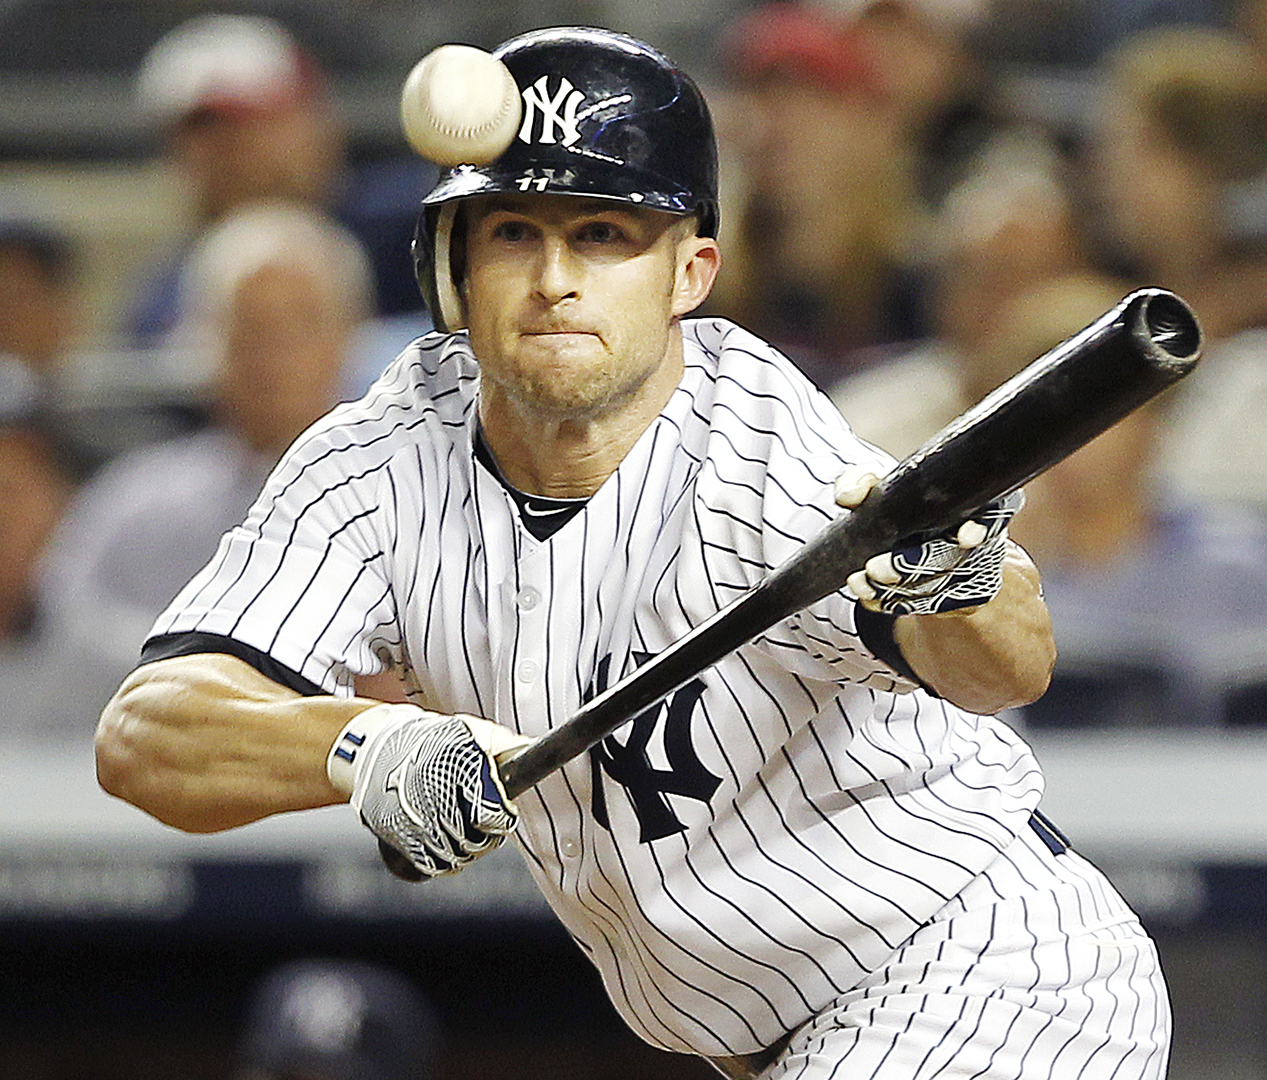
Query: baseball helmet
point(605, 116)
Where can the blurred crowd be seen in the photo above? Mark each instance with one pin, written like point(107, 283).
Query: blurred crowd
point(909, 227)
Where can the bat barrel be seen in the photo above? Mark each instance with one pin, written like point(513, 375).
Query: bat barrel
point(1061, 401)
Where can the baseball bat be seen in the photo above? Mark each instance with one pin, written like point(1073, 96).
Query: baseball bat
point(1060, 402)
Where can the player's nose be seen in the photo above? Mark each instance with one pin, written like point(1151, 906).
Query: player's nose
point(559, 271)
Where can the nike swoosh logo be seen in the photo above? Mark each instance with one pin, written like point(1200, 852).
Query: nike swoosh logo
point(545, 511)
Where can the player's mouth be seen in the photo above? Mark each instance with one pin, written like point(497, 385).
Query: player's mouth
point(562, 336)
point(550, 329)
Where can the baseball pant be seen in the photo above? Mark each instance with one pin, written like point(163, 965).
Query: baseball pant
point(1038, 969)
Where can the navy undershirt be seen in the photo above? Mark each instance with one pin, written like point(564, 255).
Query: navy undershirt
point(542, 515)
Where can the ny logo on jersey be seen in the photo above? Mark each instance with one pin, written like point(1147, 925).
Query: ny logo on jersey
point(557, 112)
point(630, 765)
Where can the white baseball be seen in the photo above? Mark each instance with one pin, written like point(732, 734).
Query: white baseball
point(460, 106)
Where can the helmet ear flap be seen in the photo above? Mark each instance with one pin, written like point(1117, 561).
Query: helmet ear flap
point(433, 266)
point(448, 302)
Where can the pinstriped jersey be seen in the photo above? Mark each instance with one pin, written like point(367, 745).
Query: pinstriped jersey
point(735, 857)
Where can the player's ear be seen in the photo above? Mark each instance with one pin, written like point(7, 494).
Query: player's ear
point(698, 260)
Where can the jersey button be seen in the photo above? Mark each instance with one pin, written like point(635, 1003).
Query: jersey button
point(528, 598)
point(570, 848)
point(527, 671)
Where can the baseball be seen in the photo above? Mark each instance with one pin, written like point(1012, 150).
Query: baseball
point(460, 105)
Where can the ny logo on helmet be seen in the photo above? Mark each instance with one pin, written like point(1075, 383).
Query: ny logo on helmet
point(557, 113)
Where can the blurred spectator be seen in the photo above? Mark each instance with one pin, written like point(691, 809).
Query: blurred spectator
point(270, 300)
point(848, 123)
point(931, 81)
point(39, 301)
point(822, 210)
point(34, 489)
point(1010, 224)
point(1183, 142)
point(41, 297)
point(337, 1020)
point(36, 485)
point(243, 112)
point(1157, 608)
point(1183, 123)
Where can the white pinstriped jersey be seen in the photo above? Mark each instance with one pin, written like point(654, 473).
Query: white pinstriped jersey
point(734, 859)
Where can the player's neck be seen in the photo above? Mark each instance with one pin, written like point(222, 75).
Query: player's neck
point(569, 457)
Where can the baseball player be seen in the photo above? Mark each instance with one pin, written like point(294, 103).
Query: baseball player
point(824, 855)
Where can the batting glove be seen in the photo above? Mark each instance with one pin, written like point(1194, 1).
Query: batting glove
point(426, 784)
point(929, 575)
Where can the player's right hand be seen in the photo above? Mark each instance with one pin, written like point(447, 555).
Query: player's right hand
point(426, 784)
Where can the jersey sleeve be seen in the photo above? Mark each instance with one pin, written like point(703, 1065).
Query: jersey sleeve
point(303, 580)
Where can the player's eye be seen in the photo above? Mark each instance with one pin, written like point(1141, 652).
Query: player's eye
point(511, 231)
point(601, 232)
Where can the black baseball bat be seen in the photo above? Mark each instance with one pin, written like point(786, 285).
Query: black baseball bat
point(1060, 402)
point(1041, 415)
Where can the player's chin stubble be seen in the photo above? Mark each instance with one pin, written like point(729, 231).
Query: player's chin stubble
point(577, 388)
point(583, 396)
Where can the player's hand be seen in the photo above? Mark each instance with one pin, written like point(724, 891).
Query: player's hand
point(426, 784)
point(932, 574)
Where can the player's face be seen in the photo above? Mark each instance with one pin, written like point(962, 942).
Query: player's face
point(572, 303)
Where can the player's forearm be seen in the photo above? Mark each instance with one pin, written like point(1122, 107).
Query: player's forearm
point(207, 743)
point(992, 657)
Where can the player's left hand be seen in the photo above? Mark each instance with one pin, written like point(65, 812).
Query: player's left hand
point(426, 784)
point(932, 574)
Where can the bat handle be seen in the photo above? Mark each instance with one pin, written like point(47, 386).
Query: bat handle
point(519, 775)
point(398, 864)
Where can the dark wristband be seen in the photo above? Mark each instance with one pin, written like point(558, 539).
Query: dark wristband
point(876, 630)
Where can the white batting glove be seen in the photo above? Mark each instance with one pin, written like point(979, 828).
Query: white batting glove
point(929, 575)
point(426, 784)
